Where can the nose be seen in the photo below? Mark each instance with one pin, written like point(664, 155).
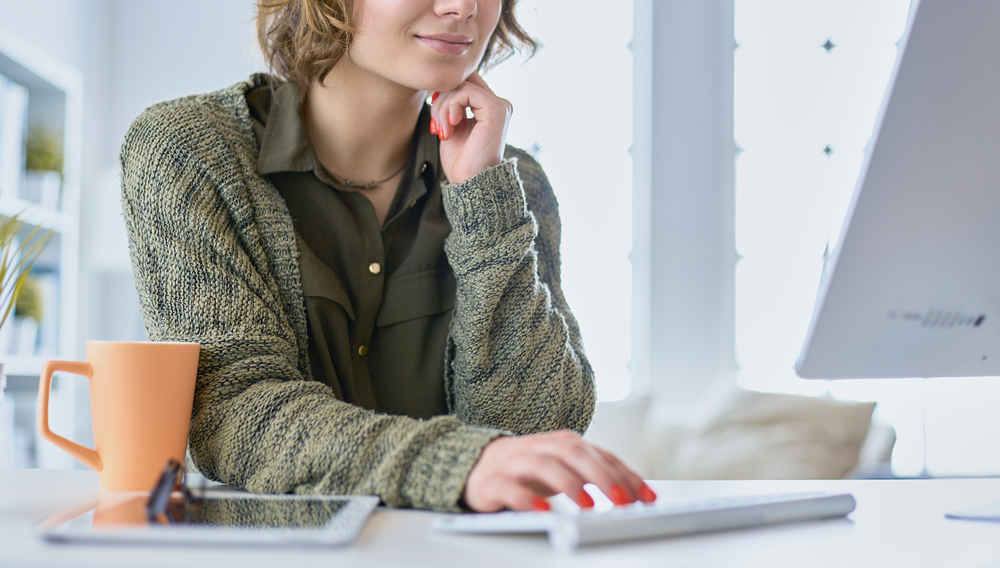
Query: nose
point(456, 9)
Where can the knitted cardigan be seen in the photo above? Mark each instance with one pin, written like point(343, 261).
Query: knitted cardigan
point(215, 262)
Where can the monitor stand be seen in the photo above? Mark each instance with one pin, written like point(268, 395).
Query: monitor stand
point(984, 512)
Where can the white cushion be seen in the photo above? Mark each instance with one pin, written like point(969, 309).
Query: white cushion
point(772, 436)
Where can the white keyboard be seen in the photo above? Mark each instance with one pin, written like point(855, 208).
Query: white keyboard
point(568, 530)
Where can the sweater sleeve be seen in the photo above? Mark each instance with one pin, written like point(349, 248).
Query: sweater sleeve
point(203, 276)
point(514, 358)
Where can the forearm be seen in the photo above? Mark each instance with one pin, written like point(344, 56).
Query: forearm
point(515, 358)
point(281, 436)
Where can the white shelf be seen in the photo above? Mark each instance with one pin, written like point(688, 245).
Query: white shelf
point(14, 365)
point(32, 213)
point(55, 101)
point(55, 95)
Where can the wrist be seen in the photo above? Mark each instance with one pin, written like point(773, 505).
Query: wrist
point(464, 174)
point(437, 473)
point(473, 497)
point(487, 205)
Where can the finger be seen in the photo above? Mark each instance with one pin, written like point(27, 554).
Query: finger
point(634, 480)
point(519, 497)
point(591, 465)
point(458, 121)
point(453, 112)
point(444, 111)
point(486, 107)
point(548, 475)
point(475, 97)
point(452, 115)
point(432, 97)
point(456, 113)
point(477, 80)
point(436, 113)
point(455, 116)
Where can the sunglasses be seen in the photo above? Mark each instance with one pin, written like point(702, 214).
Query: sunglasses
point(171, 501)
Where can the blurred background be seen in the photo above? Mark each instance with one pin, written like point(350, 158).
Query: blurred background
point(703, 154)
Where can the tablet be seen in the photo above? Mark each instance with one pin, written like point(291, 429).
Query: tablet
point(220, 518)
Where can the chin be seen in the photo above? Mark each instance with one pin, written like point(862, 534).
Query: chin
point(441, 82)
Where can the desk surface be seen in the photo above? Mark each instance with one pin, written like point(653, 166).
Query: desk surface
point(896, 523)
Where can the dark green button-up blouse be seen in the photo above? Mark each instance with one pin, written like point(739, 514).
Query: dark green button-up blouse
point(378, 299)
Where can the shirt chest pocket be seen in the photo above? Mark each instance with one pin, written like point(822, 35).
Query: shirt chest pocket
point(418, 295)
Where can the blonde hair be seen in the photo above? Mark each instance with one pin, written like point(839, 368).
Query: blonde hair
point(303, 39)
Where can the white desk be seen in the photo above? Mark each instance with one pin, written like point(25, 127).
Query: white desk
point(896, 523)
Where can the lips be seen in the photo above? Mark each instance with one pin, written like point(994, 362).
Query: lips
point(449, 44)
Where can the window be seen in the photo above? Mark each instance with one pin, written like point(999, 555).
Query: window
point(573, 112)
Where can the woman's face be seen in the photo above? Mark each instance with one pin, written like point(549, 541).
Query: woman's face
point(431, 45)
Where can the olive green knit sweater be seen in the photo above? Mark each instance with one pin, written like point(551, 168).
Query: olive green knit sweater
point(215, 262)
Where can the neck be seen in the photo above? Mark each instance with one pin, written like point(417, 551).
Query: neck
point(361, 125)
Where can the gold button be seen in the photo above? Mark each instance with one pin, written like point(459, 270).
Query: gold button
point(423, 167)
point(363, 350)
point(374, 268)
point(412, 204)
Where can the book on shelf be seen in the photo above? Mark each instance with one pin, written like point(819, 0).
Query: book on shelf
point(13, 134)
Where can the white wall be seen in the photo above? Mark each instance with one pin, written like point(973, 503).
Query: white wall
point(165, 50)
point(158, 51)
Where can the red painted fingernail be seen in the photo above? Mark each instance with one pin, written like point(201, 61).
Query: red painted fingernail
point(619, 496)
point(540, 504)
point(434, 126)
point(584, 500)
point(647, 494)
point(434, 97)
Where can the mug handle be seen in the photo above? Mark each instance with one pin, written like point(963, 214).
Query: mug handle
point(89, 457)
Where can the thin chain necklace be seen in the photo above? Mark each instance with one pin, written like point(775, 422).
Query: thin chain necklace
point(367, 184)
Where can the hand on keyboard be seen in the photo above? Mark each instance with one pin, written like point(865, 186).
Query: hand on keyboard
point(519, 472)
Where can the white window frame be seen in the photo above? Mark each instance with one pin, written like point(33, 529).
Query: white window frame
point(684, 255)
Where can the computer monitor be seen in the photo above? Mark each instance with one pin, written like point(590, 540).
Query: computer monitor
point(912, 287)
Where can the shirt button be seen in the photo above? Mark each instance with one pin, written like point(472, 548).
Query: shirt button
point(363, 350)
point(374, 268)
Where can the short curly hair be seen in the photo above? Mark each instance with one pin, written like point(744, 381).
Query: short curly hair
point(302, 40)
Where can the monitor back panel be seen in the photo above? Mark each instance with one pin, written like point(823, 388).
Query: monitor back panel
point(913, 287)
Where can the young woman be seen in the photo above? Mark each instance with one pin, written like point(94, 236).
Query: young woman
point(374, 281)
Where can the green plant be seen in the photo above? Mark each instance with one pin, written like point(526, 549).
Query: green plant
point(30, 302)
point(17, 256)
point(43, 150)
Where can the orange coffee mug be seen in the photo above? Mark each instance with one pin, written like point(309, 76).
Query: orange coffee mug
point(141, 395)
